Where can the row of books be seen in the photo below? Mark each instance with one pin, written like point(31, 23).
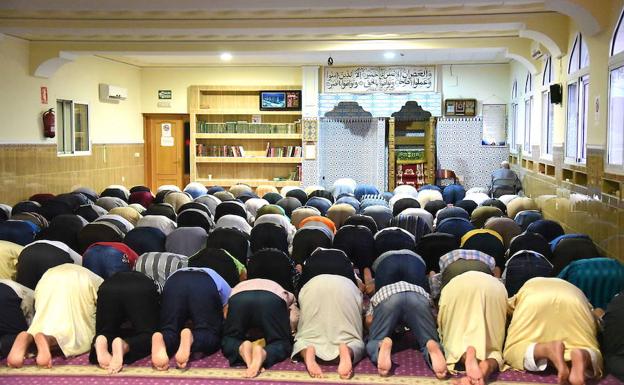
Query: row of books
point(224, 151)
point(243, 127)
point(285, 151)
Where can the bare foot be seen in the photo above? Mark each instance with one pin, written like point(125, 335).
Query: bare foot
point(581, 361)
point(160, 359)
point(15, 359)
point(438, 362)
point(473, 371)
point(384, 360)
point(345, 365)
point(183, 354)
point(258, 357)
point(101, 351)
point(309, 358)
point(119, 348)
point(246, 351)
point(44, 355)
point(553, 351)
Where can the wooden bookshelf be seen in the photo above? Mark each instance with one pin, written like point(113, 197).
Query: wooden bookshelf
point(230, 117)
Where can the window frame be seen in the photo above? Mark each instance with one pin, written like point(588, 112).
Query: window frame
point(579, 77)
point(547, 118)
point(616, 61)
point(528, 113)
point(72, 129)
point(513, 110)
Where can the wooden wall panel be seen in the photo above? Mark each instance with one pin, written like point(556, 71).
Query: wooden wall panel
point(27, 169)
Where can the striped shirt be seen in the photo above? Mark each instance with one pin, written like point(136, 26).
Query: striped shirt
point(435, 282)
point(159, 266)
point(388, 290)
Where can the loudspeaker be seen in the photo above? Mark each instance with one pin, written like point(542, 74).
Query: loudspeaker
point(556, 93)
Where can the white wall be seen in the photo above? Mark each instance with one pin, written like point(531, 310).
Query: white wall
point(488, 83)
point(21, 108)
point(179, 79)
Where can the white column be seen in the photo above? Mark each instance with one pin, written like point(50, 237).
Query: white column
point(310, 91)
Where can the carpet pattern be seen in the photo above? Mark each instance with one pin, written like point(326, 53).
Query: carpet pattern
point(410, 368)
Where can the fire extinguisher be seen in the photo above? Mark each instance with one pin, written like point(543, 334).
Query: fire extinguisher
point(48, 123)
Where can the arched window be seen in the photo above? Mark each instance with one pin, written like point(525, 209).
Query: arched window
point(547, 109)
point(513, 123)
point(578, 102)
point(615, 131)
point(528, 107)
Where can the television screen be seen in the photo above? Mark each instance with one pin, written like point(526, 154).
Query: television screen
point(280, 100)
point(272, 100)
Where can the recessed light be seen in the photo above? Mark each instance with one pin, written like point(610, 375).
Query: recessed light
point(226, 56)
point(389, 55)
point(377, 35)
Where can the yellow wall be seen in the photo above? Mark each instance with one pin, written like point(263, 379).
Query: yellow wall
point(466, 81)
point(179, 79)
point(21, 108)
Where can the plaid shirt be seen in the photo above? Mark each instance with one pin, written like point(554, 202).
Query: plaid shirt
point(387, 291)
point(435, 282)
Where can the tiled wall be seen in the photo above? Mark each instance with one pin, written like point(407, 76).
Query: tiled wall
point(579, 208)
point(26, 169)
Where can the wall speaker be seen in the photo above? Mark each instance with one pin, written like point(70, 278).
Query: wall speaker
point(556, 93)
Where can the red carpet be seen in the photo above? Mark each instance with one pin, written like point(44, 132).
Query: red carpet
point(410, 368)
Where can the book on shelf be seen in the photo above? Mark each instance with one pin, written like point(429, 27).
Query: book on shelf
point(219, 151)
point(243, 127)
point(284, 152)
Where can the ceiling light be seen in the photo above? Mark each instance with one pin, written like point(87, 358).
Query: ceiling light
point(378, 35)
point(226, 56)
point(389, 55)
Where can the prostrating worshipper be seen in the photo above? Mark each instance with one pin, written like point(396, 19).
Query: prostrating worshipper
point(198, 294)
point(9, 253)
point(159, 266)
point(275, 265)
point(232, 240)
point(471, 324)
point(553, 323)
point(457, 262)
point(328, 261)
point(600, 279)
point(358, 244)
point(307, 239)
point(433, 246)
point(268, 235)
point(17, 304)
point(64, 316)
point(108, 258)
point(522, 266)
point(330, 324)
point(39, 256)
point(259, 309)
point(125, 297)
point(186, 240)
point(612, 341)
point(400, 300)
point(222, 262)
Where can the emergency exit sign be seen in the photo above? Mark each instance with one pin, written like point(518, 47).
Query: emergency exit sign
point(164, 94)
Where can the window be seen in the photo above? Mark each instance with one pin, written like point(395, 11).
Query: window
point(547, 109)
point(615, 131)
point(72, 124)
point(513, 124)
point(528, 107)
point(578, 102)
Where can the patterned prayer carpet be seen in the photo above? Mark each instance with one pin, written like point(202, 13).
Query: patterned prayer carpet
point(410, 369)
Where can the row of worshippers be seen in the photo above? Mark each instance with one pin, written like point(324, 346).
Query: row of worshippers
point(391, 234)
point(254, 321)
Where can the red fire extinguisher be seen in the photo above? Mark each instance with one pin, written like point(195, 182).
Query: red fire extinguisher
point(48, 123)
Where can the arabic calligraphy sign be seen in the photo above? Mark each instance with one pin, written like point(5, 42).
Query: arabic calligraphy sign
point(380, 79)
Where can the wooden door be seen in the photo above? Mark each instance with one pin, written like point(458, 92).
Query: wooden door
point(164, 145)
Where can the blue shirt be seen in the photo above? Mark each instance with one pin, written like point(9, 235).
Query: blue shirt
point(222, 287)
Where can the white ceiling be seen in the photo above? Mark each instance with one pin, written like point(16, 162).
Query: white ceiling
point(298, 31)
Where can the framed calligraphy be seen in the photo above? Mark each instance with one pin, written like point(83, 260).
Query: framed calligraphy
point(460, 107)
point(379, 79)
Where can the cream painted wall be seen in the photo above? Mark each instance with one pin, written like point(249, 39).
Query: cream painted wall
point(488, 83)
point(78, 80)
point(179, 79)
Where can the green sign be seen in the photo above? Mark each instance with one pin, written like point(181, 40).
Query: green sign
point(164, 94)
